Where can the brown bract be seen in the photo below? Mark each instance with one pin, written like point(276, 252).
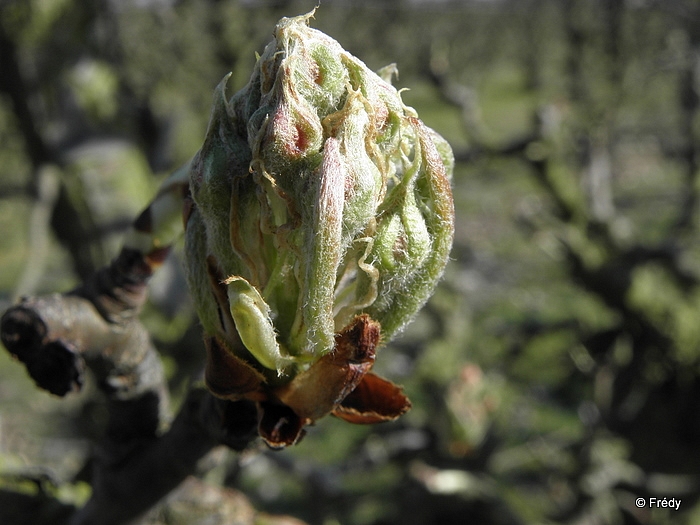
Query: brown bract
point(339, 383)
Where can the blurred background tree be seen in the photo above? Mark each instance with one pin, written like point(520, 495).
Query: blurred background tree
point(556, 373)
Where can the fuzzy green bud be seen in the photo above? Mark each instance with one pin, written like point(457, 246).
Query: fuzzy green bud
point(318, 197)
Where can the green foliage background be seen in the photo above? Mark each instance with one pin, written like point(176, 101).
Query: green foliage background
point(555, 374)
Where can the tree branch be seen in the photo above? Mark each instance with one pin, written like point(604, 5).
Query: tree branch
point(97, 326)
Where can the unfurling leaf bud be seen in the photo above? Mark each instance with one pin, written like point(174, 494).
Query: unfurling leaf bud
point(321, 221)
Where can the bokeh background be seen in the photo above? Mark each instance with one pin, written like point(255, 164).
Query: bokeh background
point(555, 374)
